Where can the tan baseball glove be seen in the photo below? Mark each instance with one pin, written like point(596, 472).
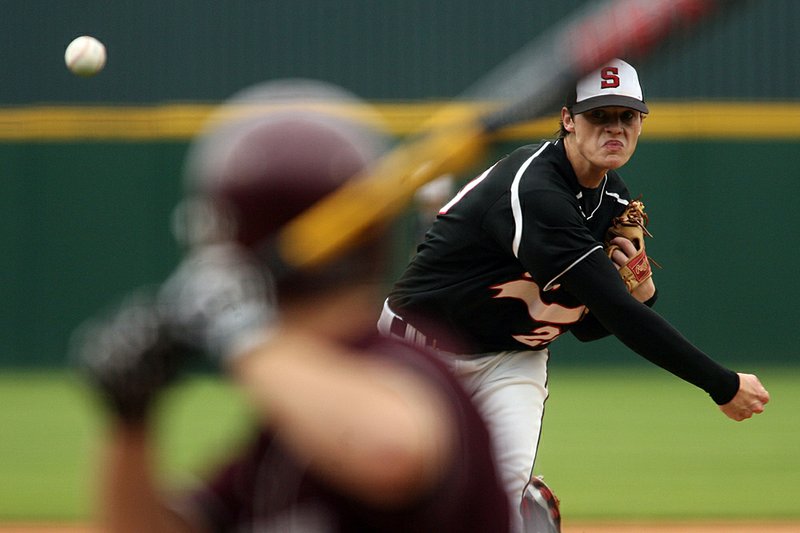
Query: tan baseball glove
point(632, 224)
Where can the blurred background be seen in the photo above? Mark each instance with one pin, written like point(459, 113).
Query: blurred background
point(90, 169)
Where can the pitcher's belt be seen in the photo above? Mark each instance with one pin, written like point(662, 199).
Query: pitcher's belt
point(393, 325)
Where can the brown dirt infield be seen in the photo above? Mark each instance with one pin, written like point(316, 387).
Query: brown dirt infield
point(579, 527)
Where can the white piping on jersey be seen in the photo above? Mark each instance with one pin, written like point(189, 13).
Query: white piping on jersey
point(616, 196)
point(465, 189)
point(599, 202)
point(552, 282)
point(516, 206)
point(623, 201)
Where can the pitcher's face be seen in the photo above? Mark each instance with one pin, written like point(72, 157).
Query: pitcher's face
point(604, 138)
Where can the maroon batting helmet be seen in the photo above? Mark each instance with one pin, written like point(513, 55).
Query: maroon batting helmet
point(271, 152)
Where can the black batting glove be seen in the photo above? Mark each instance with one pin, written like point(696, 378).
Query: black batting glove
point(130, 356)
point(220, 300)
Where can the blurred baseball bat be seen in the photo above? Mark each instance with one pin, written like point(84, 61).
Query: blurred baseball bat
point(529, 85)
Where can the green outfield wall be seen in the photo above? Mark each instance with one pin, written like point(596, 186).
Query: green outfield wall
point(90, 168)
point(179, 50)
point(83, 223)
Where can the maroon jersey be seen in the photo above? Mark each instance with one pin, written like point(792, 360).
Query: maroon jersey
point(265, 489)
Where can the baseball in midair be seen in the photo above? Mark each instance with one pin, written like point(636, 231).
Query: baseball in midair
point(85, 56)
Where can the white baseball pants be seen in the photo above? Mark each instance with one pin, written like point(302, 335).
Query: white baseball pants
point(510, 389)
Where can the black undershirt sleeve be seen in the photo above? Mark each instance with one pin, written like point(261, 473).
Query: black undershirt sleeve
point(595, 282)
point(590, 329)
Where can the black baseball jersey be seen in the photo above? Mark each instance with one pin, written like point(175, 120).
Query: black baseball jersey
point(488, 270)
point(516, 259)
point(266, 489)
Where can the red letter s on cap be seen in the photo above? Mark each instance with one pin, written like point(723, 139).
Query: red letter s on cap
point(610, 78)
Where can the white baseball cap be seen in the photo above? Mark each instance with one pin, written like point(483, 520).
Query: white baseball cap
point(614, 84)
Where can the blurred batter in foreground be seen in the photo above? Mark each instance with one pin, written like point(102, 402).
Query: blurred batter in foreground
point(359, 432)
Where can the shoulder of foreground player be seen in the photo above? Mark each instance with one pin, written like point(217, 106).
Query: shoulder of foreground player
point(422, 361)
point(471, 478)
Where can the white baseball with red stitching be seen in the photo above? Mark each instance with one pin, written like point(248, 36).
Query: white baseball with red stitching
point(85, 56)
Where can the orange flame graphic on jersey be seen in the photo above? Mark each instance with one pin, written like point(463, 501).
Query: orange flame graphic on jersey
point(553, 315)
